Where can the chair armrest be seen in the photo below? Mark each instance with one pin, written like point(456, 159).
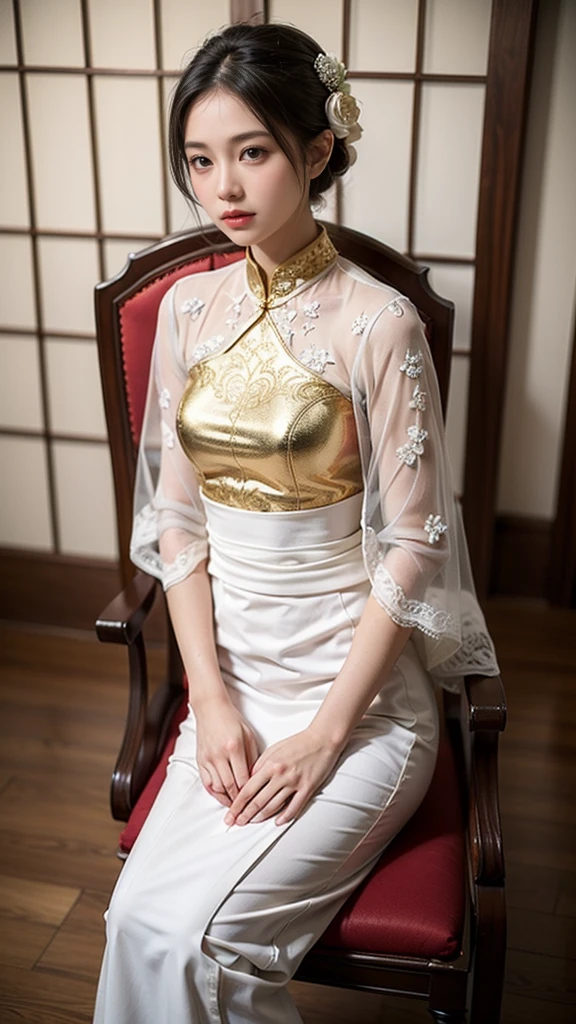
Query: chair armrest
point(486, 703)
point(483, 717)
point(122, 620)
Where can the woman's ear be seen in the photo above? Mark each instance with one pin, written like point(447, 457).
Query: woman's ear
point(319, 152)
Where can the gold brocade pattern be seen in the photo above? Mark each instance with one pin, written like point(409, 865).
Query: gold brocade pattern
point(263, 431)
point(299, 269)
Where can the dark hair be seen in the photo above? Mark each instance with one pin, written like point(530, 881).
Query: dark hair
point(271, 69)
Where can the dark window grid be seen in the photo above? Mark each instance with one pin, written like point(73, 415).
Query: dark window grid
point(53, 436)
point(418, 77)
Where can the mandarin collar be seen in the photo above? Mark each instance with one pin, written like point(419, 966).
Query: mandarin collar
point(293, 273)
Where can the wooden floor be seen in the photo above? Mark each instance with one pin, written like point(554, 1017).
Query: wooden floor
point(62, 700)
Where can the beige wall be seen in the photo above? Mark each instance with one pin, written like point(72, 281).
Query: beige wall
point(544, 288)
point(130, 163)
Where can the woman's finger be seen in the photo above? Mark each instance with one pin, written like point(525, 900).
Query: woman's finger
point(268, 801)
point(226, 778)
point(293, 807)
point(255, 785)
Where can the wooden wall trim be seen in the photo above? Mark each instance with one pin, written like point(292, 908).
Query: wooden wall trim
point(521, 559)
point(562, 589)
point(54, 589)
point(507, 89)
point(255, 11)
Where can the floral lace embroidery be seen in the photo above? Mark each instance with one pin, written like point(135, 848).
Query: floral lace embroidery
point(236, 311)
point(167, 435)
point(193, 307)
point(164, 399)
point(283, 318)
point(434, 527)
point(311, 310)
point(395, 308)
point(475, 655)
point(359, 324)
point(146, 525)
point(412, 365)
point(418, 400)
point(402, 610)
point(206, 348)
point(181, 567)
point(316, 358)
point(410, 452)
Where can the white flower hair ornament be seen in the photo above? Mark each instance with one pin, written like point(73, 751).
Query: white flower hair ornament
point(342, 110)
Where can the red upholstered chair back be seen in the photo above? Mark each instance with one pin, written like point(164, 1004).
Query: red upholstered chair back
point(126, 312)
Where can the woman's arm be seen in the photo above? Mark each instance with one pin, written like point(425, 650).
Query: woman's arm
point(226, 747)
point(288, 773)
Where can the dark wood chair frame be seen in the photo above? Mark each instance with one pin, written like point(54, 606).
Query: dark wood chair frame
point(474, 719)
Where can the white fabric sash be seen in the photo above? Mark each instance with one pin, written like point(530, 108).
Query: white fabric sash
point(312, 551)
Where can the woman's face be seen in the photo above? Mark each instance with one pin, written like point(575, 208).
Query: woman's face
point(239, 174)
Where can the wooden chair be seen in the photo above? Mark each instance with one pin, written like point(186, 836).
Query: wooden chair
point(429, 921)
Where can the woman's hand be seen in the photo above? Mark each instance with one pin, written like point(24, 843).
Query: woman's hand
point(284, 778)
point(226, 749)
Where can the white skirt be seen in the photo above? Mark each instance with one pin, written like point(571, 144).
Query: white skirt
point(208, 922)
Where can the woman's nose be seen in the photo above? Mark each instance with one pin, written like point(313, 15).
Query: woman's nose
point(228, 185)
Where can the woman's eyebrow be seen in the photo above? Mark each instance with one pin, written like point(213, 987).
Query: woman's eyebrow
point(243, 137)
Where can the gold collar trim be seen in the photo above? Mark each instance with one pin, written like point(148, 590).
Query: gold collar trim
point(296, 271)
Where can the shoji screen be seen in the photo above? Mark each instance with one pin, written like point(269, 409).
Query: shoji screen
point(83, 181)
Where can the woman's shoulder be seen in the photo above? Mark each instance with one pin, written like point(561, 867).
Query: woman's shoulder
point(192, 291)
point(377, 306)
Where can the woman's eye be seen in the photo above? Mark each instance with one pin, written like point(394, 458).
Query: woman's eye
point(253, 152)
point(199, 162)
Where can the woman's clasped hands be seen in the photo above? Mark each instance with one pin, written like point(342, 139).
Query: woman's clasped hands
point(281, 781)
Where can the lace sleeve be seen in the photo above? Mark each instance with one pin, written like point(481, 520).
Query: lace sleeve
point(414, 545)
point(169, 531)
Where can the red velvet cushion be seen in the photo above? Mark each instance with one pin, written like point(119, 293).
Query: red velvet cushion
point(138, 316)
point(413, 902)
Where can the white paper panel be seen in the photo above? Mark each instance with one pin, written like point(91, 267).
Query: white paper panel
point(116, 254)
point(185, 26)
point(542, 320)
point(456, 283)
point(327, 208)
point(375, 192)
point(449, 169)
point(129, 154)
point(383, 35)
point(8, 53)
point(68, 274)
point(457, 36)
point(16, 293)
point(75, 395)
point(20, 401)
point(321, 19)
point(24, 509)
point(457, 417)
point(85, 499)
point(13, 190)
point(52, 31)
point(63, 176)
point(122, 33)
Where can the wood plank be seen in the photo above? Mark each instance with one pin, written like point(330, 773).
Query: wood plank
point(326, 1005)
point(529, 887)
point(22, 942)
point(518, 1009)
point(78, 945)
point(42, 902)
point(38, 997)
point(549, 934)
point(60, 861)
point(549, 978)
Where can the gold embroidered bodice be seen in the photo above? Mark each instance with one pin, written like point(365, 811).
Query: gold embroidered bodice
point(263, 431)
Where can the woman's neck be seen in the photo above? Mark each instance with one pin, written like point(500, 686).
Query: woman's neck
point(277, 249)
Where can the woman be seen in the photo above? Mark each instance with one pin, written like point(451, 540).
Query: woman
point(294, 497)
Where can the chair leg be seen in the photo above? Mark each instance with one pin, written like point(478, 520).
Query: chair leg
point(448, 1016)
